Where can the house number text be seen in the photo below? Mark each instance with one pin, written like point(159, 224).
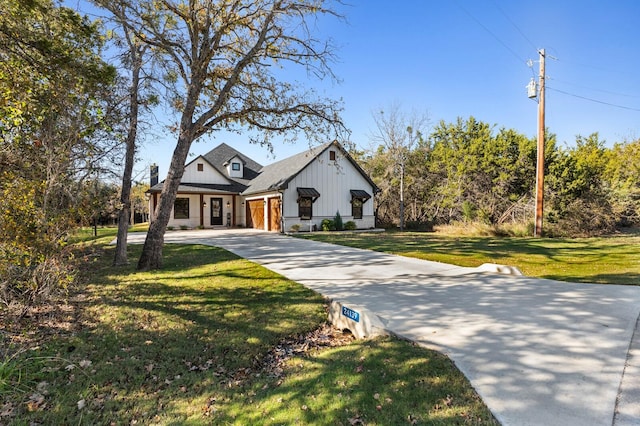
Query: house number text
point(349, 313)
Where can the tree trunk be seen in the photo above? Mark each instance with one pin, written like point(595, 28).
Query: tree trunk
point(125, 195)
point(120, 258)
point(151, 257)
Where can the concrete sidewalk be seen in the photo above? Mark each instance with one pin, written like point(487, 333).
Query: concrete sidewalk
point(538, 352)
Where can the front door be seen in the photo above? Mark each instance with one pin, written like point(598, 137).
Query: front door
point(216, 211)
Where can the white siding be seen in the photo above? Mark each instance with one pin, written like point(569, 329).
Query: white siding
point(235, 173)
point(333, 180)
point(194, 211)
point(207, 175)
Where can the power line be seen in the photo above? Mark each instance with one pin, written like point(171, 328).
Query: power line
point(593, 100)
point(515, 26)
point(597, 68)
point(498, 39)
point(594, 89)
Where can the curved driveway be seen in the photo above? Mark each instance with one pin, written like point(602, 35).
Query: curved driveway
point(539, 352)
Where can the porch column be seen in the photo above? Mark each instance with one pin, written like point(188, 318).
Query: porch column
point(154, 204)
point(233, 210)
point(201, 210)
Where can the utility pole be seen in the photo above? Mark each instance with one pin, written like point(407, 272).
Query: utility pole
point(402, 193)
point(540, 162)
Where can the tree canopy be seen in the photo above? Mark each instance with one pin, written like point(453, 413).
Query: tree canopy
point(54, 121)
point(467, 171)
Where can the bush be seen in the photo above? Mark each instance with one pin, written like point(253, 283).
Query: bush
point(295, 227)
point(416, 225)
point(350, 226)
point(327, 225)
point(35, 262)
point(337, 221)
point(29, 278)
point(581, 219)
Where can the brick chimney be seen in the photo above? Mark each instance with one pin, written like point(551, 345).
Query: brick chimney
point(154, 175)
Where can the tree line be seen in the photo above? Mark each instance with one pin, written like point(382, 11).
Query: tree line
point(469, 171)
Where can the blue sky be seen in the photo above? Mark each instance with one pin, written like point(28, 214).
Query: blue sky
point(461, 58)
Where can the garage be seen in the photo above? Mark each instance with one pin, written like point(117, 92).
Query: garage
point(255, 213)
point(274, 214)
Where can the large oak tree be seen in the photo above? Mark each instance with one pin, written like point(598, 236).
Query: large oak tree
point(225, 64)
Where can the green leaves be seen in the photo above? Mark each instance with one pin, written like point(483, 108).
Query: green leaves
point(53, 84)
point(466, 171)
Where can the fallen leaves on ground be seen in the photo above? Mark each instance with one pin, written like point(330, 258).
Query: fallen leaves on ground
point(323, 337)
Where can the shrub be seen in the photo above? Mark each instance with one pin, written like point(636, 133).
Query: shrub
point(295, 227)
point(350, 226)
point(337, 221)
point(29, 278)
point(35, 261)
point(421, 226)
point(184, 227)
point(468, 211)
point(327, 225)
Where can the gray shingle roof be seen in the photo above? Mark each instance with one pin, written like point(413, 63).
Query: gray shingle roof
point(277, 175)
point(258, 179)
point(219, 156)
point(214, 188)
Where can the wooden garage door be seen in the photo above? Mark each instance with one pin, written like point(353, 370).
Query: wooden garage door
point(256, 213)
point(274, 214)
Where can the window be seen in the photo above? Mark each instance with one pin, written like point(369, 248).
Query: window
point(306, 198)
point(358, 198)
point(332, 155)
point(200, 167)
point(181, 208)
point(235, 167)
point(356, 208)
point(305, 207)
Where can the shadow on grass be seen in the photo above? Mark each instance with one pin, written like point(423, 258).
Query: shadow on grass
point(182, 346)
point(383, 381)
point(151, 338)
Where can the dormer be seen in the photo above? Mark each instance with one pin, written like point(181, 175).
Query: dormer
point(235, 167)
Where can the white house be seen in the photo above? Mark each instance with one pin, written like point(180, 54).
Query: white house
point(226, 188)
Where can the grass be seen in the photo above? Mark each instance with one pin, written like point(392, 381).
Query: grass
point(379, 382)
point(185, 345)
point(605, 260)
point(87, 234)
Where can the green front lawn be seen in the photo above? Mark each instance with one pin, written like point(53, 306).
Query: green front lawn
point(606, 260)
point(200, 342)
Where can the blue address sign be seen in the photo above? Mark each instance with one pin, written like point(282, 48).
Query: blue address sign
point(351, 314)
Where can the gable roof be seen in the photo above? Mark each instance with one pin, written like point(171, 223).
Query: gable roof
point(277, 176)
point(258, 179)
point(220, 156)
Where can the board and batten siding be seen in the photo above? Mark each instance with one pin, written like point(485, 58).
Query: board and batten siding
point(207, 175)
point(333, 180)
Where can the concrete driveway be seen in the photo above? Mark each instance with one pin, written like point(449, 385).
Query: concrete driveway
point(539, 352)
